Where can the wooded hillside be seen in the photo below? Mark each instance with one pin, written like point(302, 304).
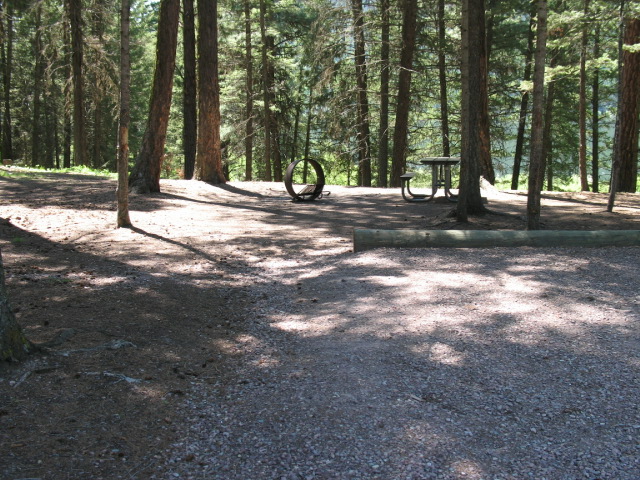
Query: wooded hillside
point(351, 83)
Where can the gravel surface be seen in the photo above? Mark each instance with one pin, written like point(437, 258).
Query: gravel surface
point(268, 350)
point(429, 364)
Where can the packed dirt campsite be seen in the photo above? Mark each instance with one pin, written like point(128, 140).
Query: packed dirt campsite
point(171, 307)
point(234, 334)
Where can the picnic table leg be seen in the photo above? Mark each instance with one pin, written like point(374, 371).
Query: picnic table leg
point(447, 182)
point(409, 196)
point(435, 178)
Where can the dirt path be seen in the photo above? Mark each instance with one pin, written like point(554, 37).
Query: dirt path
point(232, 334)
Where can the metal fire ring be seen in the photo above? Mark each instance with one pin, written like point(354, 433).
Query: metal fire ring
point(308, 192)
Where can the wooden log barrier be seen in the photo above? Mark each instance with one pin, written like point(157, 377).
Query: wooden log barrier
point(364, 239)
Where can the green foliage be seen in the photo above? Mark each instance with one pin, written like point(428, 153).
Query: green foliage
point(313, 81)
point(41, 172)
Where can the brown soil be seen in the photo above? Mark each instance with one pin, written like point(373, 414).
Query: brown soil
point(133, 319)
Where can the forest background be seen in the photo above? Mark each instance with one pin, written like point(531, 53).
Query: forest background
point(328, 74)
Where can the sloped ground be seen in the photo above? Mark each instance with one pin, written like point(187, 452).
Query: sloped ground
point(233, 334)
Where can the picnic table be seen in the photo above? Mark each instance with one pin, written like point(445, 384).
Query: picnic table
point(440, 178)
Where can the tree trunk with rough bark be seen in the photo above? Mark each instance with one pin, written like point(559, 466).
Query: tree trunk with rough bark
point(403, 103)
point(627, 151)
point(486, 165)
point(14, 345)
point(363, 137)
point(524, 106)
point(385, 73)
point(80, 151)
point(595, 118)
point(265, 92)
point(189, 100)
point(7, 53)
point(582, 104)
point(248, 141)
point(122, 191)
point(536, 162)
point(470, 198)
point(37, 143)
point(442, 78)
point(145, 177)
point(209, 157)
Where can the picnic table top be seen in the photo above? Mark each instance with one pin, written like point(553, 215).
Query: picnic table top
point(440, 160)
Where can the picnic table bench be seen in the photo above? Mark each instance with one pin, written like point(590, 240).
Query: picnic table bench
point(440, 178)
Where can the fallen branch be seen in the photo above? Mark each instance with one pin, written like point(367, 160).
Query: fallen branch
point(118, 376)
point(113, 345)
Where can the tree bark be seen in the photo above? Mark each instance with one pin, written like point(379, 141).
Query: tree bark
point(145, 177)
point(7, 52)
point(37, 144)
point(14, 345)
point(403, 103)
point(67, 115)
point(547, 138)
point(442, 77)
point(385, 74)
point(80, 151)
point(248, 141)
point(524, 106)
point(209, 156)
point(190, 125)
point(470, 198)
point(362, 128)
point(627, 146)
point(595, 118)
point(536, 162)
point(122, 191)
point(582, 103)
point(614, 182)
point(265, 93)
point(486, 165)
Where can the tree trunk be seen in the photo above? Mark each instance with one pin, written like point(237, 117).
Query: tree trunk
point(307, 137)
point(14, 345)
point(403, 102)
point(209, 156)
point(486, 165)
point(595, 120)
point(298, 114)
point(469, 198)
point(536, 162)
point(442, 77)
point(51, 131)
point(248, 142)
point(7, 52)
point(385, 73)
point(145, 177)
point(362, 128)
point(547, 137)
point(275, 117)
point(277, 150)
point(37, 144)
point(524, 106)
point(614, 182)
point(190, 125)
point(80, 152)
point(582, 103)
point(266, 94)
point(97, 89)
point(67, 115)
point(122, 191)
point(627, 146)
